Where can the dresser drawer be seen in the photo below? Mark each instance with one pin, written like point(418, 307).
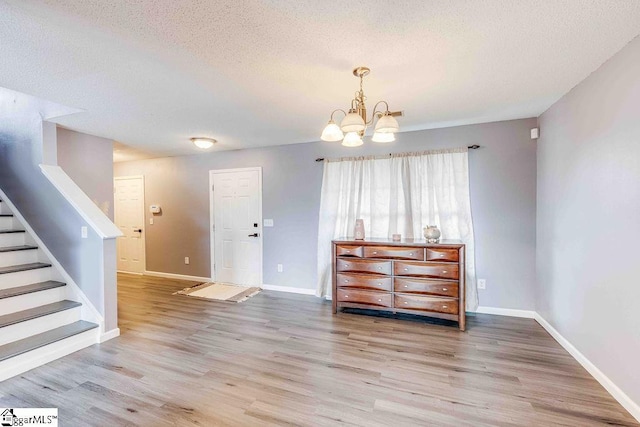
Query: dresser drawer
point(364, 266)
point(442, 254)
point(350, 250)
point(361, 281)
point(426, 287)
point(433, 269)
point(394, 252)
point(421, 303)
point(378, 299)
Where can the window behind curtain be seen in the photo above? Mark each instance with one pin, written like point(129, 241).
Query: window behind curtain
point(400, 194)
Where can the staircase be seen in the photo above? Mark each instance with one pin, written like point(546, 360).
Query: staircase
point(38, 323)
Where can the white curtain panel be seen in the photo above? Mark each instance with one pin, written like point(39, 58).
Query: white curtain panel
point(398, 194)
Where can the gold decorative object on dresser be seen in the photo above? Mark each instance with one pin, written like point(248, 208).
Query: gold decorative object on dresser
point(410, 276)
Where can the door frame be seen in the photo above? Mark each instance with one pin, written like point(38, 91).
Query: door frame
point(212, 236)
point(144, 221)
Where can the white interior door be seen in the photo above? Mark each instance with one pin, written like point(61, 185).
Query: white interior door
point(129, 217)
point(236, 224)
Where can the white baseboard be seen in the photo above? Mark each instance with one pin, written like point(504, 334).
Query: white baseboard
point(614, 390)
point(303, 291)
point(527, 314)
point(129, 272)
point(177, 276)
point(109, 335)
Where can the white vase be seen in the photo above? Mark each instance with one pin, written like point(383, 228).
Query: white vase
point(432, 234)
point(358, 231)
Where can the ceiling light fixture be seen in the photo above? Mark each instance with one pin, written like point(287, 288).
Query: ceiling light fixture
point(203, 143)
point(354, 125)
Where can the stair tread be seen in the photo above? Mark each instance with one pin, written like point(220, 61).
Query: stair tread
point(25, 345)
point(34, 313)
point(23, 267)
point(6, 215)
point(11, 231)
point(27, 289)
point(17, 248)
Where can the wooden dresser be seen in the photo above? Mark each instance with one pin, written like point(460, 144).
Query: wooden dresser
point(410, 276)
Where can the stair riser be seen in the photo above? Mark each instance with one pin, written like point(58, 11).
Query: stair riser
point(48, 353)
point(12, 239)
point(18, 257)
point(32, 300)
point(37, 326)
point(8, 223)
point(22, 278)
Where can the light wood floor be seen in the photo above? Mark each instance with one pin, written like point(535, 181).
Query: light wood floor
point(281, 359)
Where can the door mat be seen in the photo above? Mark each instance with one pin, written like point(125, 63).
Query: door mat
point(220, 292)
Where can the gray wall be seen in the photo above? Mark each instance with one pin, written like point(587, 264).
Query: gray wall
point(88, 160)
point(53, 219)
point(589, 218)
point(503, 188)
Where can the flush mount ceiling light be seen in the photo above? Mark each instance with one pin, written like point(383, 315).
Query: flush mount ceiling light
point(354, 124)
point(204, 143)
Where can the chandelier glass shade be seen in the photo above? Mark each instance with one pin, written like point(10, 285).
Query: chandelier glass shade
point(352, 139)
point(355, 122)
point(352, 122)
point(383, 137)
point(332, 132)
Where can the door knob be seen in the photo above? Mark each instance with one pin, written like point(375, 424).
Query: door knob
point(254, 235)
point(139, 230)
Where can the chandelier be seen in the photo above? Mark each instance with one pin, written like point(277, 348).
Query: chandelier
point(355, 123)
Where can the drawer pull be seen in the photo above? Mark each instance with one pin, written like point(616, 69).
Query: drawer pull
point(406, 302)
point(444, 271)
point(379, 300)
point(444, 289)
point(379, 284)
point(350, 252)
point(441, 255)
point(375, 252)
point(406, 269)
point(444, 306)
point(346, 280)
point(346, 296)
point(379, 268)
point(410, 253)
point(406, 286)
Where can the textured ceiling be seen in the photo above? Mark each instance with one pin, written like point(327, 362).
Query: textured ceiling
point(152, 73)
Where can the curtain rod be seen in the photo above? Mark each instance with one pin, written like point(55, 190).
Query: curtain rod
point(470, 147)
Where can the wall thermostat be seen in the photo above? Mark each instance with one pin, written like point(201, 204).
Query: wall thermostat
point(154, 209)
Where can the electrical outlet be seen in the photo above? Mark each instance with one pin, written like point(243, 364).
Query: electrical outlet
point(186, 260)
point(482, 284)
point(268, 223)
point(84, 231)
point(280, 268)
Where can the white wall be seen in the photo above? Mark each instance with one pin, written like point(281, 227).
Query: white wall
point(588, 218)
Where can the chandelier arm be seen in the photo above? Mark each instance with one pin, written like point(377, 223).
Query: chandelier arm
point(373, 115)
point(336, 110)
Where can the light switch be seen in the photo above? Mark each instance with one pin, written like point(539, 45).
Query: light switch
point(150, 221)
point(85, 232)
point(268, 223)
